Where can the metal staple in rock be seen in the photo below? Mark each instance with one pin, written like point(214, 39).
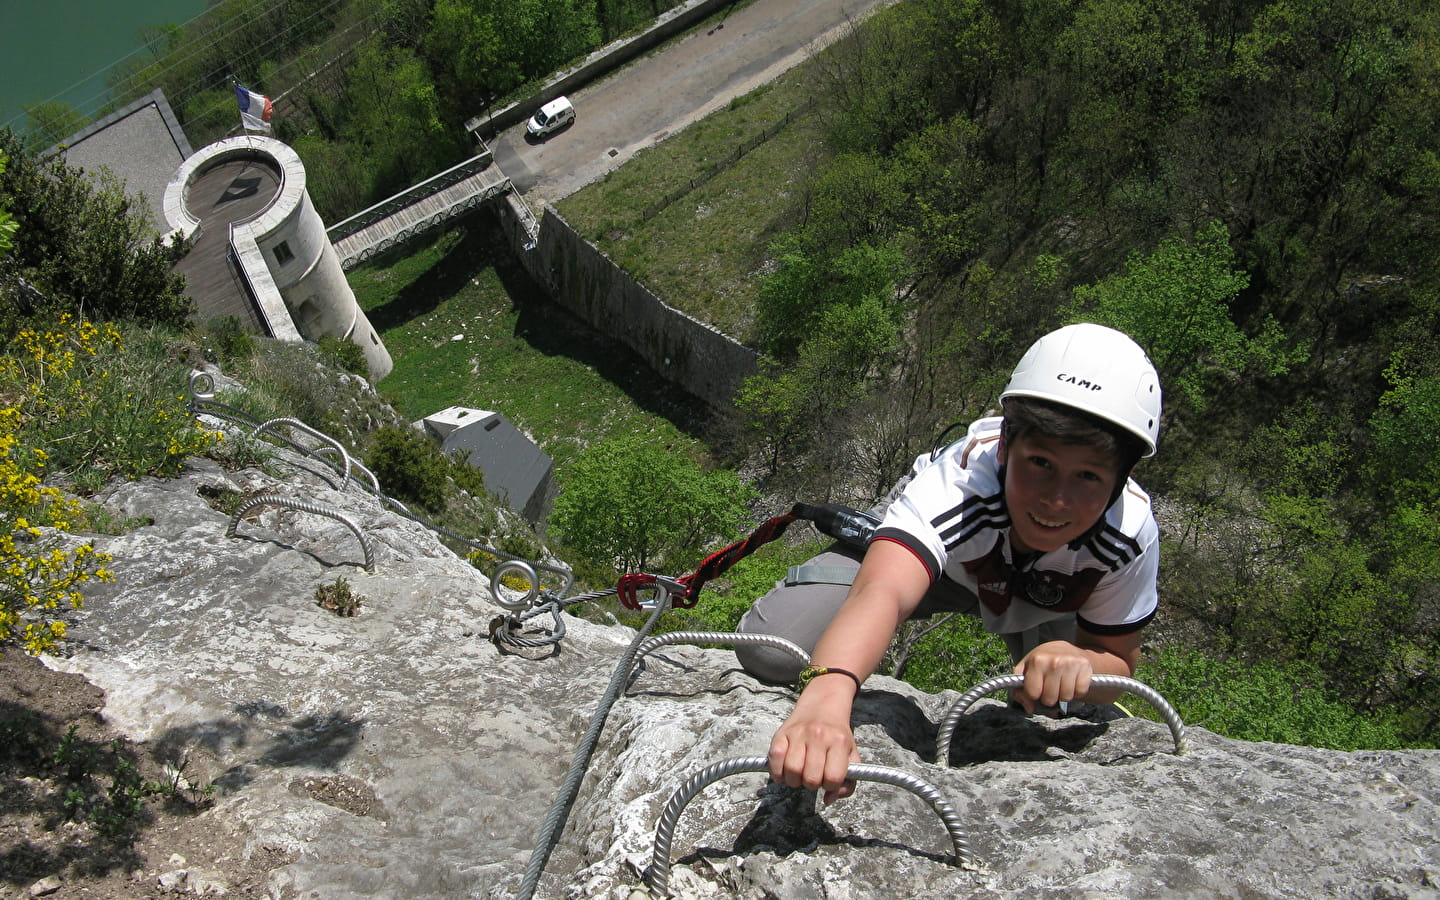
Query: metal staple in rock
point(303, 506)
point(738, 638)
point(315, 433)
point(370, 480)
point(657, 877)
point(1002, 682)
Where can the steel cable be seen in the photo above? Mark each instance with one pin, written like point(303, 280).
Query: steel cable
point(554, 823)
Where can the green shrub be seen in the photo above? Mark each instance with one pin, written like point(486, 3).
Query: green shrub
point(635, 504)
point(410, 467)
point(226, 343)
point(290, 380)
point(343, 354)
point(955, 654)
point(339, 598)
point(1263, 702)
point(93, 402)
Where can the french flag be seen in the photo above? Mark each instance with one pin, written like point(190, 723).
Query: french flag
point(255, 109)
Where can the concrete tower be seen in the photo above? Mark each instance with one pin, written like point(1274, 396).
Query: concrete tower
point(261, 252)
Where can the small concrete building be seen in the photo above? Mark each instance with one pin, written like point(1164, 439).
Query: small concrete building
point(514, 467)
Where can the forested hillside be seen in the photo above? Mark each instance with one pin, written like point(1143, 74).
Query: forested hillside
point(1248, 188)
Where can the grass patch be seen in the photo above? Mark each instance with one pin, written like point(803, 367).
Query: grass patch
point(466, 327)
point(705, 250)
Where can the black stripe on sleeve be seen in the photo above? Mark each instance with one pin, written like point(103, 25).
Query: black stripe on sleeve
point(927, 559)
point(1127, 628)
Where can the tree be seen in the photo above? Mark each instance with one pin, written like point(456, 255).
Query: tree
point(1175, 303)
point(7, 221)
point(393, 112)
point(1407, 445)
point(83, 245)
point(51, 122)
point(642, 507)
point(803, 409)
point(796, 297)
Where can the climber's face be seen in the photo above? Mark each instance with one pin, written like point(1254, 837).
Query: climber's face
point(1054, 491)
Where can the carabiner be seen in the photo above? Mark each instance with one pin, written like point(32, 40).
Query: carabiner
point(660, 585)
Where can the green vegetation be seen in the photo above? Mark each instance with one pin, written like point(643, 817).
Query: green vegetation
point(1264, 702)
point(644, 508)
point(1250, 188)
point(411, 468)
point(339, 598)
point(78, 243)
point(554, 379)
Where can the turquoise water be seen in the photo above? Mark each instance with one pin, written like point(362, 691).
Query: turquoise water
point(62, 49)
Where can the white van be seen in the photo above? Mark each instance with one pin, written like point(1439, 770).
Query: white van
point(552, 116)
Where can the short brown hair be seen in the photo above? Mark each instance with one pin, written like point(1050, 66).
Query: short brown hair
point(1025, 416)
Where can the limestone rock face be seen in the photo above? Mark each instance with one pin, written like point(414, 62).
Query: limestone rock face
point(401, 754)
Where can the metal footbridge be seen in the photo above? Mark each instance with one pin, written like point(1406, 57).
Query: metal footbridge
point(417, 209)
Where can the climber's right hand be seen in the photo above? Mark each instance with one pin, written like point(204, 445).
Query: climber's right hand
point(815, 746)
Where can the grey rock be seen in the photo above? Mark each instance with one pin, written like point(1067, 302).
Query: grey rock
point(400, 754)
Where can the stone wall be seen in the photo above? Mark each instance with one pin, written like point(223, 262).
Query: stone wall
point(579, 277)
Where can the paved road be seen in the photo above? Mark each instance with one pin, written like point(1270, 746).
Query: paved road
point(661, 93)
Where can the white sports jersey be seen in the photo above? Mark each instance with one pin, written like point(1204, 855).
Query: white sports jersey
point(952, 516)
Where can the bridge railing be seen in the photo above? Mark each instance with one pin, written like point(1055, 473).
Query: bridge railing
point(389, 206)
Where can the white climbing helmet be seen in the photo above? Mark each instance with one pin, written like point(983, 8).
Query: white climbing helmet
point(1095, 369)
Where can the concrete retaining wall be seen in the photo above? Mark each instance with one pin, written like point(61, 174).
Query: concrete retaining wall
point(583, 280)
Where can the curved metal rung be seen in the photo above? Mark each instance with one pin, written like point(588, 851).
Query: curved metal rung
point(657, 877)
point(318, 435)
point(303, 506)
point(374, 483)
point(1001, 682)
point(734, 638)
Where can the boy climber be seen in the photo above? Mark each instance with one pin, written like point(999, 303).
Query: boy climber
point(1030, 521)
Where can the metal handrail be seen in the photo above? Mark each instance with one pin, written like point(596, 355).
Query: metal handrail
point(303, 506)
point(1001, 682)
point(657, 877)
